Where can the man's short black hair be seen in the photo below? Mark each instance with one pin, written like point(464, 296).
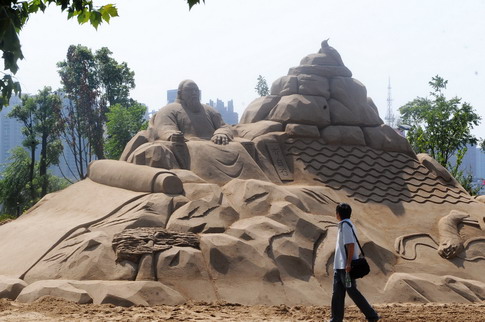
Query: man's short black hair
point(344, 210)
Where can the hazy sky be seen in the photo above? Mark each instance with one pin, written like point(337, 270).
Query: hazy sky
point(225, 44)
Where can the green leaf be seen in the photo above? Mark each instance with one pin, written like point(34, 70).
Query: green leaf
point(11, 40)
point(6, 86)
point(16, 88)
point(63, 3)
point(95, 19)
point(83, 17)
point(108, 11)
point(71, 14)
point(193, 2)
point(105, 15)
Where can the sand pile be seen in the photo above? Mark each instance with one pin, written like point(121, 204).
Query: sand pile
point(253, 222)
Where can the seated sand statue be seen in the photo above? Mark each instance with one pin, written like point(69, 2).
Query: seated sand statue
point(188, 117)
point(189, 135)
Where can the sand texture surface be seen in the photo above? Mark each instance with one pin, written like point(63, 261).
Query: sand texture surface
point(53, 309)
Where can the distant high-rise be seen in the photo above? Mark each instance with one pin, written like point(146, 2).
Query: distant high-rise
point(473, 164)
point(470, 161)
point(171, 95)
point(10, 131)
point(227, 112)
point(481, 165)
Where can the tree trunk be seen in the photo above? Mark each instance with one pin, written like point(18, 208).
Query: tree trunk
point(43, 165)
point(81, 161)
point(32, 171)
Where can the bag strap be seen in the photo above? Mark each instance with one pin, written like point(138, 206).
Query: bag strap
point(353, 232)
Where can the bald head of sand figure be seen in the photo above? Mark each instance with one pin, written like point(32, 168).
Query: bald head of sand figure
point(189, 118)
point(188, 94)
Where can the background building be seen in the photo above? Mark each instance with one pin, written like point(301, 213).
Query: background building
point(227, 112)
point(473, 164)
point(10, 131)
point(171, 95)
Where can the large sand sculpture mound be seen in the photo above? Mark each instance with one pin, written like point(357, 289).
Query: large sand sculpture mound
point(253, 221)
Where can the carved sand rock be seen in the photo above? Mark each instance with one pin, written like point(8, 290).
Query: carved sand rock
point(199, 210)
point(11, 287)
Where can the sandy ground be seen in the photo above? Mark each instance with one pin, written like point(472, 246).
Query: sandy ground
point(52, 309)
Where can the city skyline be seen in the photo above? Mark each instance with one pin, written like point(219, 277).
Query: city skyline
point(227, 112)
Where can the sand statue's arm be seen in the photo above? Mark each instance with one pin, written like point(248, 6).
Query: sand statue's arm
point(223, 133)
point(163, 125)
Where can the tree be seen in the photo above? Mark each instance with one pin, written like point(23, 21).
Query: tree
point(116, 79)
point(123, 123)
point(25, 113)
point(83, 116)
point(441, 127)
point(13, 16)
point(92, 83)
point(15, 183)
point(41, 116)
point(262, 87)
point(48, 129)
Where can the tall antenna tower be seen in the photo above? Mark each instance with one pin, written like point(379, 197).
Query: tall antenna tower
point(390, 118)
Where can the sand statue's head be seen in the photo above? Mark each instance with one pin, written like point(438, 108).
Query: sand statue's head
point(188, 94)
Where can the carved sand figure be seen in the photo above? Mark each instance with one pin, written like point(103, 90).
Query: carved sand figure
point(188, 117)
point(182, 129)
point(188, 217)
point(450, 244)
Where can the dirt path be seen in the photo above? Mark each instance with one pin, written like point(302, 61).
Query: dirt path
point(52, 309)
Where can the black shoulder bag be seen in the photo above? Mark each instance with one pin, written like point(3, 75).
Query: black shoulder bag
point(358, 267)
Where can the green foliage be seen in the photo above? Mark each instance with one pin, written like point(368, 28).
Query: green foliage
point(13, 16)
point(7, 86)
point(56, 183)
point(116, 79)
point(41, 116)
point(48, 129)
point(83, 117)
point(466, 182)
point(15, 185)
point(482, 145)
point(463, 177)
point(26, 115)
point(92, 83)
point(123, 123)
point(440, 127)
point(262, 87)
point(193, 2)
point(5, 217)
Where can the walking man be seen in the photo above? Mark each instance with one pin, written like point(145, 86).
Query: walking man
point(345, 251)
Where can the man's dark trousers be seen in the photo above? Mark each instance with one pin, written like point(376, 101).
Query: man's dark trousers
point(338, 298)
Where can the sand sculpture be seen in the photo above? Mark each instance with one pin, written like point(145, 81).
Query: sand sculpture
point(252, 221)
